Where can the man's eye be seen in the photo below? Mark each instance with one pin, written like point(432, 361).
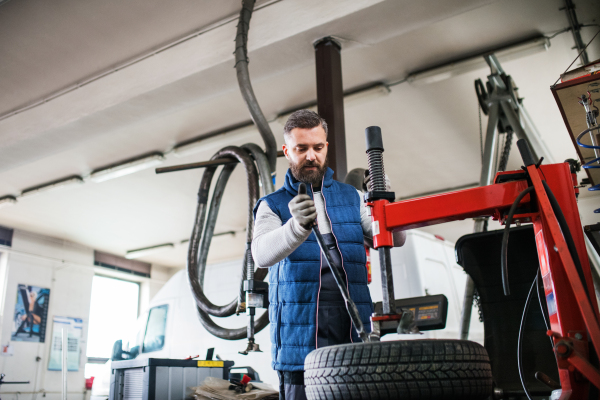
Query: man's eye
point(301, 149)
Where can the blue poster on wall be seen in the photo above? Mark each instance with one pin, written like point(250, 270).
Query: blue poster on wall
point(31, 314)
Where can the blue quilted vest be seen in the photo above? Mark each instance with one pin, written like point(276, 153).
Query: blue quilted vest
point(294, 283)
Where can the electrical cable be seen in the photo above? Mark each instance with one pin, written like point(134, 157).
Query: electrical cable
point(258, 164)
point(520, 339)
point(558, 33)
point(555, 34)
point(504, 251)
point(578, 55)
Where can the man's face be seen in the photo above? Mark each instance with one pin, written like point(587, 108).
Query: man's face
point(306, 150)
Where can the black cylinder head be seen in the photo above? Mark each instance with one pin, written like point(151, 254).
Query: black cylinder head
point(373, 138)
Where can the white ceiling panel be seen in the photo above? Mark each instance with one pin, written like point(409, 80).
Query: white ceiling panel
point(431, 132)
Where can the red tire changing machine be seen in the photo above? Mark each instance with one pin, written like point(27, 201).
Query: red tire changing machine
point(566, 274)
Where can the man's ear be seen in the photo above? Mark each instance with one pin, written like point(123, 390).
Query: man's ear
point(285, 151)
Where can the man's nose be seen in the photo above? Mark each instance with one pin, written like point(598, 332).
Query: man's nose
point(310, 155)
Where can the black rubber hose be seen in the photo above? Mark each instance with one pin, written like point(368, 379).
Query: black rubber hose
point(231, 334)
point(195, 270)
point(247, 155)
point(243, 76)
point(212, 218)
point(564, 227)
point(263, 166)
point(202, 235)
point(259, 157)
point(504, 251)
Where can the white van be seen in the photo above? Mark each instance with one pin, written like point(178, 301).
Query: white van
point(425, 265)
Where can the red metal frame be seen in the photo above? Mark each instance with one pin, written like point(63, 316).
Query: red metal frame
point(573, 318)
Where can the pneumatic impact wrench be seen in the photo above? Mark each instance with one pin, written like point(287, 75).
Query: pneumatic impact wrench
point(335, 270)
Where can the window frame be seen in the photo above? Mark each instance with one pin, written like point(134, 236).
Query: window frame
point(139, 296)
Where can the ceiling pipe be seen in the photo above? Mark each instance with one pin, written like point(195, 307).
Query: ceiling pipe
point(569, 9)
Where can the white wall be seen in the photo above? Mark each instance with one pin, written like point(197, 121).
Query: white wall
point(67, 269)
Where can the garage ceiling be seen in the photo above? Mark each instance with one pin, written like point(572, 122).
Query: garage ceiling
point(142, 76)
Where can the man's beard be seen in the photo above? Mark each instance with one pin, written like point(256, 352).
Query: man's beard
point(314, 177)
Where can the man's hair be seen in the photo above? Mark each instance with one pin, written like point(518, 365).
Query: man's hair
point(304, 119)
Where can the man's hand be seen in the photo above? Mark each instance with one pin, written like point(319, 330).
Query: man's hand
point(303, 210)
point(367, 182)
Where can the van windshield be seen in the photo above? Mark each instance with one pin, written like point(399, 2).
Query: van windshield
point(154, 339)
point(135, 341)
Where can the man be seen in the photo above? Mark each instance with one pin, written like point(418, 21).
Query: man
point(307, 310)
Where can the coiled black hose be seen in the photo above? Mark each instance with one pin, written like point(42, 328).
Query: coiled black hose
point(203, 231)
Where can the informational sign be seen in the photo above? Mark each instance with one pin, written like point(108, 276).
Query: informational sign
point(31, 314)
point(74, 328)
point(7, 350)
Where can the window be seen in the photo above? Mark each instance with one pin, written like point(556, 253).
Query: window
point(154, 339)
point(113, 315)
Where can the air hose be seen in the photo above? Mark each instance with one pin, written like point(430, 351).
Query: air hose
point(243, 76)
point(504, 252)
point(258, 164)
point(564, 227)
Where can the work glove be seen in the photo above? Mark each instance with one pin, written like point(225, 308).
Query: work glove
point(367, 182)
point(303, 210)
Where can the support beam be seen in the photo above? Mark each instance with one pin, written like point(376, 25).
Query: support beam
point(330, 102)
point(576, 30)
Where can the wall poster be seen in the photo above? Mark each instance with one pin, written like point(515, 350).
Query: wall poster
point(31, 314)
point(74, 328)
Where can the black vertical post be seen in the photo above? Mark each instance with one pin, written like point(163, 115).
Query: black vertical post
point(330, 102)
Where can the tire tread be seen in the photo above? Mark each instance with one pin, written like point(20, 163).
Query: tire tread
point(409, 369)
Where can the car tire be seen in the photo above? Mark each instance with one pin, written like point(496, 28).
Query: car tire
point(406, 369)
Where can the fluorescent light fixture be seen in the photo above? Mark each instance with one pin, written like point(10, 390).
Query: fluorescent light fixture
point(148, 250)
point(362, 96)
point(473, 63)
point(127, 167)
point(72, 180)
point(7, 201)
point(211, 144)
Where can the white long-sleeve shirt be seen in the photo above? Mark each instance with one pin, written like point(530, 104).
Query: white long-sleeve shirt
point(273, 241)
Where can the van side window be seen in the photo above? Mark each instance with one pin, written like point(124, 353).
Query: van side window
point(154, 339)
